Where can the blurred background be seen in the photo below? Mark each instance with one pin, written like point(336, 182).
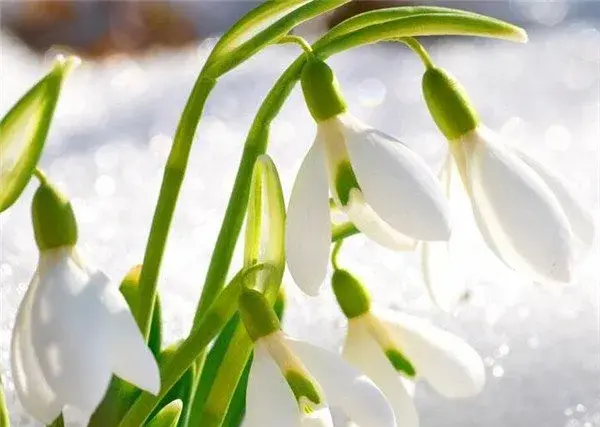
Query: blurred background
point(114, 125)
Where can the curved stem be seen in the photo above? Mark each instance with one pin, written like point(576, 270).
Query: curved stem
point(256, 145)
point(306, 47)
point(419, 50)
point(167, 199)
point(40, 175)
point(335, 253)
point(343, 231)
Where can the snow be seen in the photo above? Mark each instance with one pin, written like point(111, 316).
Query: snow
point(112, 134)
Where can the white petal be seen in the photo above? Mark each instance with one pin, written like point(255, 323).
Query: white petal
point(444, 278)
point(132, 360)
point(269, 399)
point(345, 387)
point(319, 418)
point(397, 183)
point(449, 364)
point(70, 334)
point(516, 212)
point(445, 281)
point(580, 217)
point(364, 352)
point(308, 227)
point(367, 221)
point(35, 394)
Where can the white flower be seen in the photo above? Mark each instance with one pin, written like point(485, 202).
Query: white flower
point(526, 214)
point(386, 190)
point(271, 401)
point(393, 348)
point(74, 331)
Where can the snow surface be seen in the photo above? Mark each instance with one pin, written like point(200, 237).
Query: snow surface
point(113, 130)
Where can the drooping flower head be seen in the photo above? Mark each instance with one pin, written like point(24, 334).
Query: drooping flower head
point(293, 383)
point(74, 329)
point(527, 215)
point(384, 188)
point(395, 349)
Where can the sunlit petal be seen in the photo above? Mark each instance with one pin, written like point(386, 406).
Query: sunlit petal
point(367, 221)
point(580, 217)
point(520, 218)
point(397, 183)
point(345, 387)
point(269, 399)
point(364, 352)
point(448, 363)
point(308, 227)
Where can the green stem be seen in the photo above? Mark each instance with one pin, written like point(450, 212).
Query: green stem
point(171, 184)
point(335, 252)
point(256, 145)
point(419, 50)
point(343, 231)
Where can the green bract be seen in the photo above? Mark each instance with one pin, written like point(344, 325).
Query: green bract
point(23, 132)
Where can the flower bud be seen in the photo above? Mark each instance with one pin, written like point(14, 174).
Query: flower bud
point(54, 223)
point(321, 90)
point(448, 104)
point(350, 293)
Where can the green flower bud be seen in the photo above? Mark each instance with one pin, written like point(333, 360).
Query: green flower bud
point(258, 316)
point(54, 223)
point(448, 104)
point(350, 293)
point(321, 90)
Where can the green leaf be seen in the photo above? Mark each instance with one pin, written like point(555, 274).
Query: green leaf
point(23, 132)
point(168, 416)
point(422, 24)
point(272, 33)
point(380, 16)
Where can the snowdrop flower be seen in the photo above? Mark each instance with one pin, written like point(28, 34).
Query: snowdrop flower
point(528, 216)
point(294, 384)
point(394, 349)
point(385, 189)
point(73, 329)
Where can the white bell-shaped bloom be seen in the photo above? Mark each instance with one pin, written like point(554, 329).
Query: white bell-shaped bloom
point(394, 349)
point(73, 331)
point(528, 216)
point(271, 401)
point(384, 188)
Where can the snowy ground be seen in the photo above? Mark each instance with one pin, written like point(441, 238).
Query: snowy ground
point(113, 130)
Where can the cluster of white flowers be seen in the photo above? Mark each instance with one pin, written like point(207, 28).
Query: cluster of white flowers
point(75, 330)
